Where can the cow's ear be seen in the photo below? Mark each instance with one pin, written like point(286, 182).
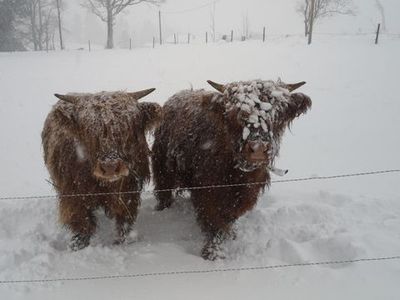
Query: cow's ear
point(151, 114)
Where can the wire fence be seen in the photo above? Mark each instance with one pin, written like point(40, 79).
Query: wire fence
point(204, 271)
point(216, 270)
point(219, 186)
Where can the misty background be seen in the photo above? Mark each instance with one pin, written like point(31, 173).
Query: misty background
point(138, 25)
point(140, 22)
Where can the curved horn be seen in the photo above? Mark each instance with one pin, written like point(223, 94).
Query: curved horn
point(295, 86)
point(217, 86)
point(141, 94)
point(66, 98)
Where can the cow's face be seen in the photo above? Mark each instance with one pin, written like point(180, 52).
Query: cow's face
point(109, 130)
point(258, 112)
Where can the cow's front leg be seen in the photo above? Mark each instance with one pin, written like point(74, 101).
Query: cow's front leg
point(214, 221)
point(123, 226)
point(80, 220)
point(124, 211)
point(212, 248)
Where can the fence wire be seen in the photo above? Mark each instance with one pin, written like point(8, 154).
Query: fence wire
point(217, 270)
point(312, 178)
point(204, 271)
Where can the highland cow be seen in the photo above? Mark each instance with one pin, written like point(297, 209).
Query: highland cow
point(95, 144)
point(225, 138)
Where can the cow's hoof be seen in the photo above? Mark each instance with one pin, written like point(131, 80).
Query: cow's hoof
point(212, 253)
point(79, 241)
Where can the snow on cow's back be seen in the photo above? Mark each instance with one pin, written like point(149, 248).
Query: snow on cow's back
point(189, 101)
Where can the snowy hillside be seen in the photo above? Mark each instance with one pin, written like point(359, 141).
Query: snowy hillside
point(353, 126)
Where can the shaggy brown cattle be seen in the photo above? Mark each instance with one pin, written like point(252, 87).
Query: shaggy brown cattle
point(230, 137)
point(95, 143)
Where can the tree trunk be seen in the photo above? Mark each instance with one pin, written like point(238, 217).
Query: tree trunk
point(59, 24)
point(40, 35)
point(305, 27)
point(311, 25)
point(33, 26)
point(110, 32)
point(47, 38)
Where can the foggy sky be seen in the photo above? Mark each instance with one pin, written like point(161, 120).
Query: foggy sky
point(140, 22)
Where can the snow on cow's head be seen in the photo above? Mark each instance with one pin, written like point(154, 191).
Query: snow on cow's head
point(260, 111)
point(108, 129)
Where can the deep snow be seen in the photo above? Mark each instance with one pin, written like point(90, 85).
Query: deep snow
point(353, 126)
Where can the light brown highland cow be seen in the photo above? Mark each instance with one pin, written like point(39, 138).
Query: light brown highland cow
point(219, 138)
point(95, 143)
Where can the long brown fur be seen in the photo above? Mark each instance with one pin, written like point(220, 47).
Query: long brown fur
point(197, 144)
point(75, 136)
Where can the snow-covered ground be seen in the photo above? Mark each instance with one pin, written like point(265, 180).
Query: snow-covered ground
point(353, 126)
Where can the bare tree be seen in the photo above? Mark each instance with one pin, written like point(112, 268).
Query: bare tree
point(39, 22)
point(381, 10)
point(322, 9)
point(40, 28)
point(31, 12)
point(59, 4)
point(212, 20)
point(49, 26)
point(107, 10)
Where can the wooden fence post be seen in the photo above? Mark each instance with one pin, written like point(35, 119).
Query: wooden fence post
point(130, 44)
point(188, 38)
point(377, 34)
point(206, 37)
point(264, 34)
point(90, 49)
point(154, 42)
point(231, 35)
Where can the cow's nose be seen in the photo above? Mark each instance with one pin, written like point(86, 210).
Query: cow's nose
point(258, 150)
point(111, 168)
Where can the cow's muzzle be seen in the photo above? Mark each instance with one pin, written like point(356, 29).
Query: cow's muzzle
point(255, 152)
point(111, 169)
point(254, 155)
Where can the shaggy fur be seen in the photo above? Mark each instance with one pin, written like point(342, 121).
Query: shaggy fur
point(200, 142)
point(79, 133)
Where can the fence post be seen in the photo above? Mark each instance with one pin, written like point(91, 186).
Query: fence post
point(377, 34)
point(206, 37)
point(159, 25)
point(231, 35)
point(175, 38)
point(188, 38)
point(154, 42)
point(89, 46)
point(264, 34)
point(130, 44)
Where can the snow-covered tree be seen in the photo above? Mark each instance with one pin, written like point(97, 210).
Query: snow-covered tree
point(381, 11)
point(107, 10)
point(322, 9)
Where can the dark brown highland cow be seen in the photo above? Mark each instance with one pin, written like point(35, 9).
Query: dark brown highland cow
point(229, 137)
point(95, 143)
